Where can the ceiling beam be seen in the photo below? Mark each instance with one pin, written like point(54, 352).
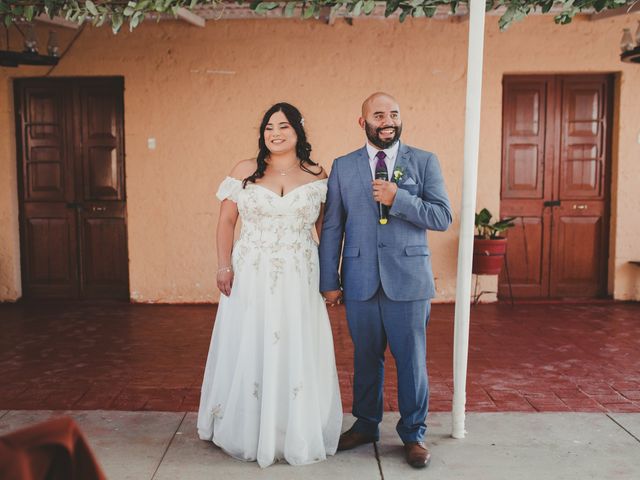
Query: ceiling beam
point(56, 21)
point(616, 12)
point(190, 17)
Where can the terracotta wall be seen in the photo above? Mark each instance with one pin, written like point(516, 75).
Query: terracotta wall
point(201, 92)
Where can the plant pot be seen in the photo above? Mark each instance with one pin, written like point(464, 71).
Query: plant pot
point(488, 255)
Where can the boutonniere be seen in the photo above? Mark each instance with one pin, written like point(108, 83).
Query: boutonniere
point(398, 173)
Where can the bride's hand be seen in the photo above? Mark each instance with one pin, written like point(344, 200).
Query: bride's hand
point(225, 281)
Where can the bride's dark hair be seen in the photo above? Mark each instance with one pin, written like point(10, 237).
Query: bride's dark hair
point(303, 147)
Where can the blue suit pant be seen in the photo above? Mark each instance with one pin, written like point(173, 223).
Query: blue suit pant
point(372, 324)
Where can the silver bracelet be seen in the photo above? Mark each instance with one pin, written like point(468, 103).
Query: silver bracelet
point(225, 270)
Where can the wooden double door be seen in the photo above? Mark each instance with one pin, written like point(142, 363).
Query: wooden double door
point(556, 164)
point(72, 187)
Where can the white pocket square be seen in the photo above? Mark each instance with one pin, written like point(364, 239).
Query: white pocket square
point(409, 181)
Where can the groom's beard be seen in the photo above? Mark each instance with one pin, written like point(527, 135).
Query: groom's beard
point(373, 134)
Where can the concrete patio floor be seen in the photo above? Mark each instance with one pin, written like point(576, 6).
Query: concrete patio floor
point(523, 446)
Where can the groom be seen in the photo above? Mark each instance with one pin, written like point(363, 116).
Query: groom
point(386, 273)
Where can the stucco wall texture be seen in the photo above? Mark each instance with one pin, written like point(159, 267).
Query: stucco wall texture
point(200, 92)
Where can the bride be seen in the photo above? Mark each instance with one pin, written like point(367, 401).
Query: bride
point(270, 390)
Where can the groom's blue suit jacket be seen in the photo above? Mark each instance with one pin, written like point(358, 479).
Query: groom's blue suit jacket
point(395, 255)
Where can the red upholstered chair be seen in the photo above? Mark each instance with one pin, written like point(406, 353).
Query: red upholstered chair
point(52, 450)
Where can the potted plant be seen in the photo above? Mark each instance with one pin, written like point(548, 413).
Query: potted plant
point(489, 248)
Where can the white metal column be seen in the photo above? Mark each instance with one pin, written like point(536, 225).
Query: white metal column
point(469, 188)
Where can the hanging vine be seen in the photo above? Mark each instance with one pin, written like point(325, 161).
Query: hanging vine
point(118, 12)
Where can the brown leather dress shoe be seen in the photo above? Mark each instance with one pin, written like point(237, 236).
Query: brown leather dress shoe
point(417, 454)
point(352, 439)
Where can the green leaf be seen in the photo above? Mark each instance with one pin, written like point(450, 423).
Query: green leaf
point(135, 20)
point(128, 11)
point(49, 8)
point(143, 6)
point(490, 4)
point(8, 20)
point(193, 4)
point(264, 7)
point(483, 218)
point(91, 8)
point(391, 7)
point(116, 22)
point(514, 13)
point(505, 223)
point(404, 14)
point(357, 8)
point(289, 9)
point(309, 11)
point(29, 10)
point(368, 7)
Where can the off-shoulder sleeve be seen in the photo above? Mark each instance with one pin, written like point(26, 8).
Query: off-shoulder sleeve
point(229, 189)
point(321, 188)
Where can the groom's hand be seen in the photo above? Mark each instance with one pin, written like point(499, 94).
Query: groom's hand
point(333, 297)
point(384, 192)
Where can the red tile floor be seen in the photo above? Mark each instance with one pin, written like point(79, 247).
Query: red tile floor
point(532, 357)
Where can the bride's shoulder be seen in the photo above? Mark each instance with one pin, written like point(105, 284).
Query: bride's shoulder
point(243, 169)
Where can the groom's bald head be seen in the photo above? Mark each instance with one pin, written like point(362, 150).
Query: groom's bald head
point(372, 99)
point(381, 120)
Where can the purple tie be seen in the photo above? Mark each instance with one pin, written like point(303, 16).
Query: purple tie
point(381, 166)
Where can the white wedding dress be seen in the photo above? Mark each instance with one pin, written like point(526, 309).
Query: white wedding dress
point(270, 390)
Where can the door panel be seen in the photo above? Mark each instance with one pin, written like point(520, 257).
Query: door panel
point(46, 186)
point(103, 225)
point(579, 246)
point(524, 140)
point(526, 183)
point(49, 241)
point(583, 142)
point(102, 154)
point(105, 261)
point(72, 195)
point(46, 174)
point(526, 239)
point(555, 177)
point(576, 264)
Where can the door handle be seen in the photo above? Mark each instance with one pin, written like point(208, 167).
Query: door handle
point(95, 209)
point(580, 206)
point(552, 203)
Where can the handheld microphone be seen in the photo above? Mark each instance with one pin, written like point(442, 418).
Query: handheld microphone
point(383, 210)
